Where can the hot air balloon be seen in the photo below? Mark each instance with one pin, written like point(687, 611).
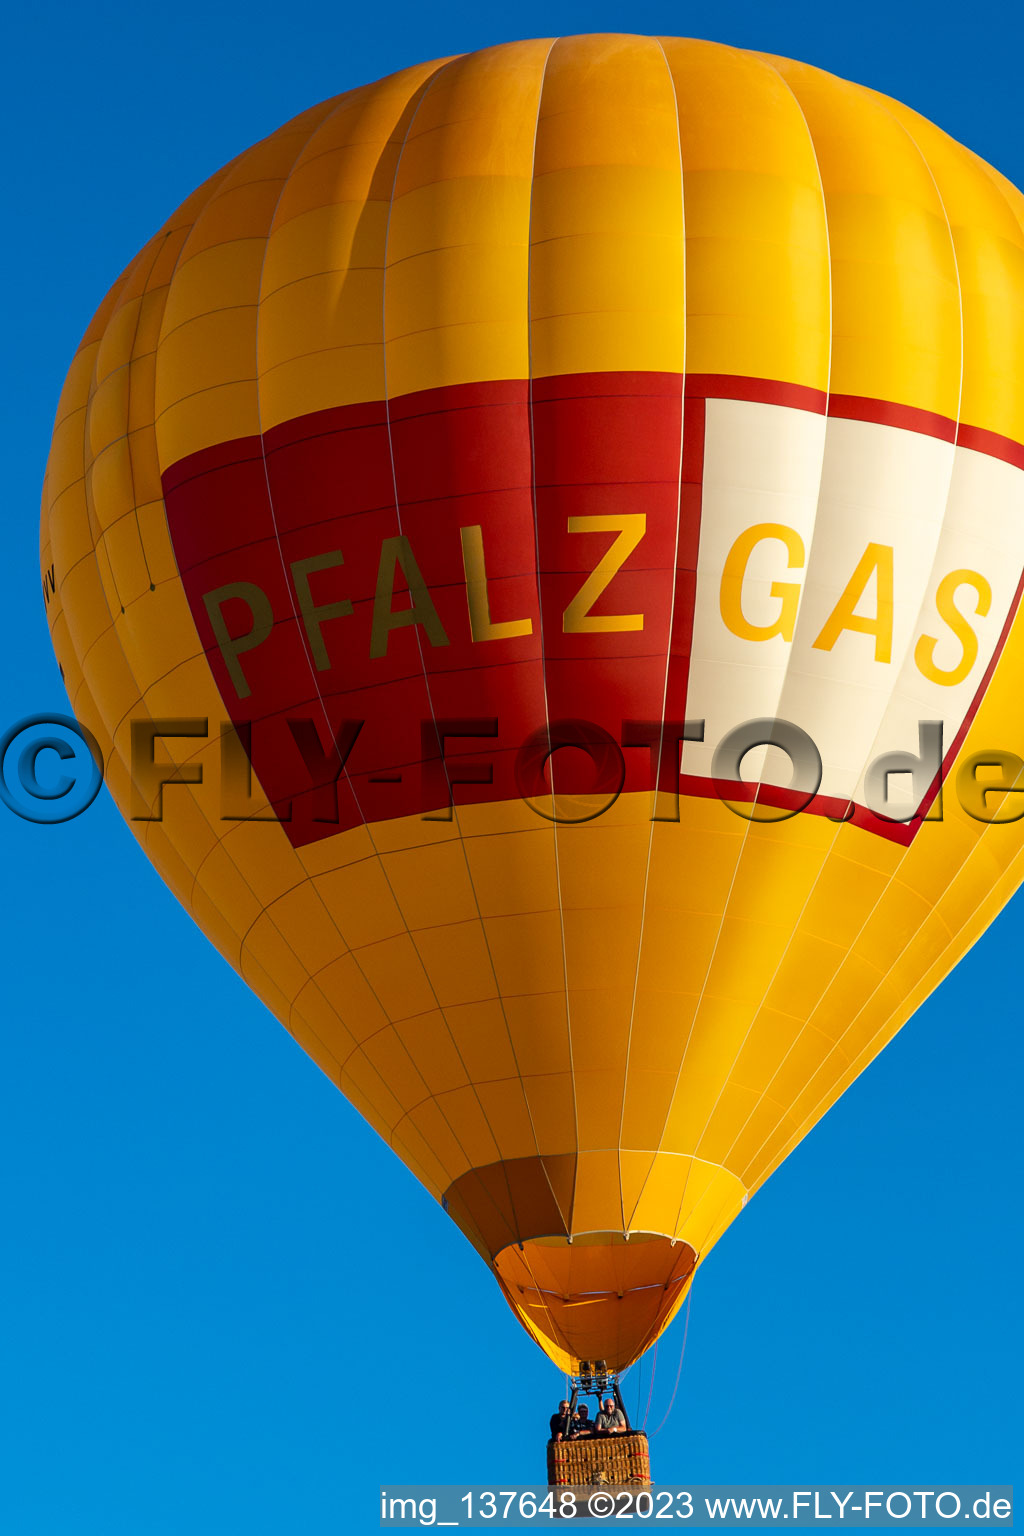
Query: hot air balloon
point(539, 542)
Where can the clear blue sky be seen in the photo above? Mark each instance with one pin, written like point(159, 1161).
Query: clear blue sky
point(209, 1281)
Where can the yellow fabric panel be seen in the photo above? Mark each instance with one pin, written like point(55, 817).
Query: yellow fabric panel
point(429, 1123)
point(482, 1036)
point(431, 885)
point(395, 971)
point(123, 547)
point(895, 295)
point(367, 1083)
point(457, 241)
point(348, 992)
point(551, 1097)
point(456, 960)
point(320, 342)
point(539, 1032)
point(990, 262)
point(602, 872)
point(528, 885)
point(506, 1110)
point(306, 922)
point(597, 1204)
point(207, 282)
point(598, 1096)
point(362, 892)
point(432, 1046)
point(606, 248)
point(757, 258)
point(205, 389)
point(527, 952)
point(463, 1111)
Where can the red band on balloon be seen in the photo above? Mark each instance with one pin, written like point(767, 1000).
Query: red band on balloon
point(311, 521)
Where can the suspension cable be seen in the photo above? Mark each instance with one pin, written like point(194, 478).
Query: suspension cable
point(654, 1367)
point(679, 1371)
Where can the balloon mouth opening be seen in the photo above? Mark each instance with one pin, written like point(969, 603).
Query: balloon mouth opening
point(602, 1295)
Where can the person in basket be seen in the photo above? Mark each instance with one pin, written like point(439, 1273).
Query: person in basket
point(610, 1420)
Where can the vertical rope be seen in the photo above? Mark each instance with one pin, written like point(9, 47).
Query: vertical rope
point(650, 1394)
point(679, 1370)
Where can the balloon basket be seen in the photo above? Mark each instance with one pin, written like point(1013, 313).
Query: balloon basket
point(619, 1461)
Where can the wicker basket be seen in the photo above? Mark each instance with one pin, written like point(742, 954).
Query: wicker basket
point(619, 1459)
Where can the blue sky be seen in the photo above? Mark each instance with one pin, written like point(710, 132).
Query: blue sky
point(210, 1281)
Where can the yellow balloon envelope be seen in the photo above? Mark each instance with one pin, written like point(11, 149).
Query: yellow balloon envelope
point(539, 541)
